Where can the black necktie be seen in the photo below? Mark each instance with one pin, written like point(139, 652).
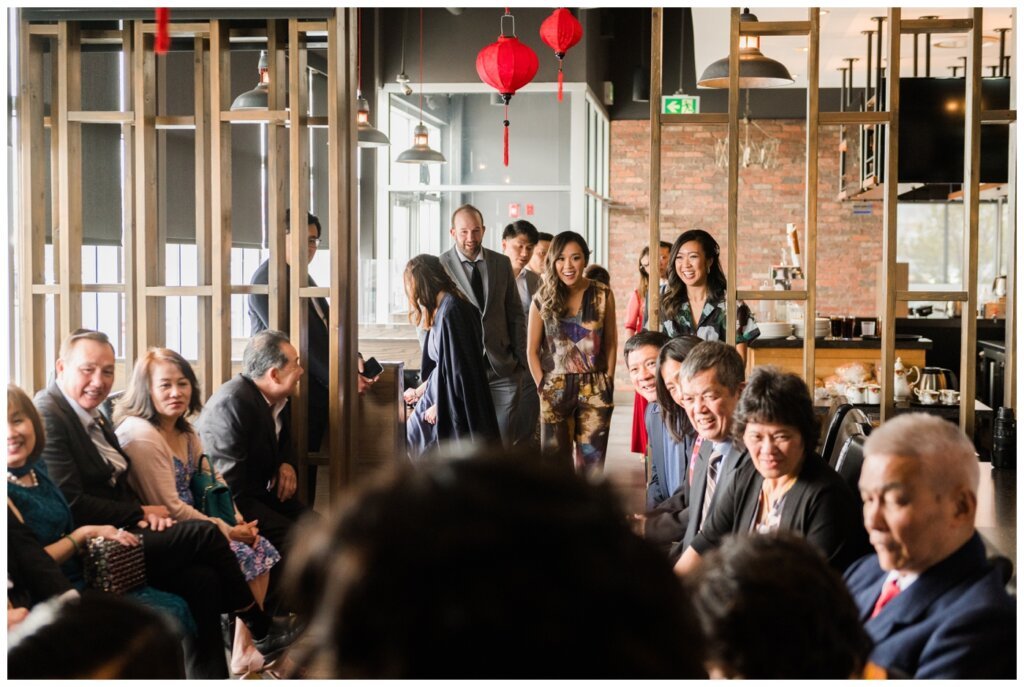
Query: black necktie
point(478, 284)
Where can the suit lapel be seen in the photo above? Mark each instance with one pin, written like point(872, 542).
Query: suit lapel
point(700, 477)
point(78, 435)
point(453, 263)
point(491, 258)
point(909, 606)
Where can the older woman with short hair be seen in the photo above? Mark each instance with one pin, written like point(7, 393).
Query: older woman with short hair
point(785, 485)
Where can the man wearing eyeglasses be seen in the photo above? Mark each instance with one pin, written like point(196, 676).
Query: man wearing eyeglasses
point(317, 361)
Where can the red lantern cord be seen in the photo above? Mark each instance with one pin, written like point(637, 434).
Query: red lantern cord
point(162, 43)
point(359, 52)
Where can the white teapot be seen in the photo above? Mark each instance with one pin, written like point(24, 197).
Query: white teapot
point(902, 386)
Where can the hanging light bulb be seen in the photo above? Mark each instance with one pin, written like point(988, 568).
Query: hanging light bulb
point(421, 152)
point(403, 78)
point(256, 99)
point(367, 135)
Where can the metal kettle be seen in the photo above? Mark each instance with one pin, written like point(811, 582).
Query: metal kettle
point(937, 379)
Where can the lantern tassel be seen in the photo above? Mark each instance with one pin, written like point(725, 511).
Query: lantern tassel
point(506, 135)
point(162, 43)
point(560, 75)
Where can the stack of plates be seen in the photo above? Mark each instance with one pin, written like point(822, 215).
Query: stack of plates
point(821, 328)
point(775, 330)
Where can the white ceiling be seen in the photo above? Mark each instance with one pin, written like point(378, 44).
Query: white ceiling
point(841, 37)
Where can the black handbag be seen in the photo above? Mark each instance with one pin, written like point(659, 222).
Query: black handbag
point(110, 566)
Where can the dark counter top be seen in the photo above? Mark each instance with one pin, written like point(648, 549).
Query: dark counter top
point(876, 344)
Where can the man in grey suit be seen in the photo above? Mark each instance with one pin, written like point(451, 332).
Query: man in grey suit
point(485, 278)
point(517, 243)
point(711, 380)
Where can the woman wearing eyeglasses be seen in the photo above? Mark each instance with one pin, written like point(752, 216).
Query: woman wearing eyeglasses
point(785, 485)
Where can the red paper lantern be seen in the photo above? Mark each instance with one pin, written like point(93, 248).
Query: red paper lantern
point(561, 31)
point(506, 65)
point(162, 41)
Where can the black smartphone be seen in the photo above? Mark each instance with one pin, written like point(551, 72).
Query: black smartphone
point(371, 368)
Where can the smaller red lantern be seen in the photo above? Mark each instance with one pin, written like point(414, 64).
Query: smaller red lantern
point(561, 31)
point(506, 65)
point(162, 42)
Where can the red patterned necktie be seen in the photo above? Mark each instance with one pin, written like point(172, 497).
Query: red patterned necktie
point(889, 591)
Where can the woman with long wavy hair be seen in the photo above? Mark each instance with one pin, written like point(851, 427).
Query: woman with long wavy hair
point(571, 344)
point(696, 284)
point(454, 403)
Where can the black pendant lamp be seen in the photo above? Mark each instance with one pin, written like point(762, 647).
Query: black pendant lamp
point(255, 99)
point(367, 135)
point(756, 70)
point(641, 77)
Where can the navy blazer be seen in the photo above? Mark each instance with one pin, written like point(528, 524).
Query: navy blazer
point(665, 448)
point(238, 433)
point(78, 469)
point(955, 621)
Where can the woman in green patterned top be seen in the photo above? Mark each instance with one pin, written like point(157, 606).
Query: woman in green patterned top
point(696, 284)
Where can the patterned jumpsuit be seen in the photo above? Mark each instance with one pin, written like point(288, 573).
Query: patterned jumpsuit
point(576, 394)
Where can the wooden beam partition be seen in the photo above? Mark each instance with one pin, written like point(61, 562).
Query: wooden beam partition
point(654, 213)
point(69, 175)
point(220, 203)
point(811, 196)
point(972, 182)
point(889, 216)
point(130, 351)
point(732, 195)
point(32, 229)
point(277, 176)
point(204, 241)
point(342, 224)
point(298, 193)
point(148, 319)
point(1010, 371)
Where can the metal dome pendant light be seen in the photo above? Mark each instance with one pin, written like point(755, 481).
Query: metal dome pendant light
point(421, 152)
point(756, 70)
point(367, 135)
point(256, 99)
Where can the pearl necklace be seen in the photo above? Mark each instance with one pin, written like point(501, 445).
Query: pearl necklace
point(14, 479)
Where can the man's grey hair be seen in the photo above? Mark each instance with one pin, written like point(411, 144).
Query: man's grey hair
point(945, 453)
point(724, 359)
point(263, 352)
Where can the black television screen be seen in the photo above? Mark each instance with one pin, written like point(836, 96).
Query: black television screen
point(932, 131)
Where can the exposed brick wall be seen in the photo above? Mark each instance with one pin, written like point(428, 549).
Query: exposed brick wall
point(693, 195)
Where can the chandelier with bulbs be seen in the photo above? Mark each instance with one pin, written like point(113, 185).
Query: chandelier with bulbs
point(757, 148)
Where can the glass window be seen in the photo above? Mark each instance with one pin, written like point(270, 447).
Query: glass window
point(930, 239)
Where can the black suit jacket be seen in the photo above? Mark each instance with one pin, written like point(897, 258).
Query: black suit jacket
point(237, 429)
point(820, 506)
point(77, 467)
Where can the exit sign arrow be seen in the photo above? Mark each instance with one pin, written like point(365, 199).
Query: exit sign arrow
point(680, 104)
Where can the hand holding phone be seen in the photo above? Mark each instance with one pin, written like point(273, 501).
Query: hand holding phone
point(371, 369)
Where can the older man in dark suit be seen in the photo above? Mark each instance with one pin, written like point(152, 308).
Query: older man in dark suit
point(246, 429)
point(191, 559)
point(928, 597)
point(711, 380)
point(486, 280)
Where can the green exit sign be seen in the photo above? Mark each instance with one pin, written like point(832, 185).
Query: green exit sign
point(680, 104)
